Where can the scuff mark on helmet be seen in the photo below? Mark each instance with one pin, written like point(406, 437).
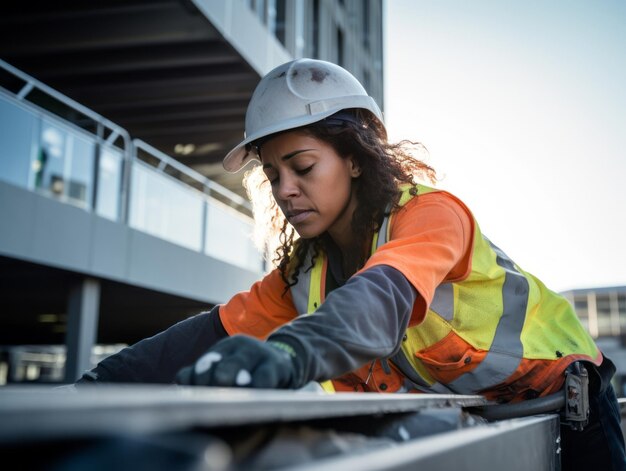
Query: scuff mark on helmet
point(318, 75)
point(282, 74)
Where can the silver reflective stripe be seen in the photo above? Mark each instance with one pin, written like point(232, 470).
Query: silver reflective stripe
point(300, 291)
point(382, 233)
point(506, 351)
point(415, 380)
point(443, 301)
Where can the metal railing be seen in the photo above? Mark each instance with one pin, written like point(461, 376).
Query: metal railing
point(198, 180)
point(75, 155)
point(103, 131)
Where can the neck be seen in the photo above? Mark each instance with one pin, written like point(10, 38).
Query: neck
point(350, 264)
point(341, 231)
point(351, 258)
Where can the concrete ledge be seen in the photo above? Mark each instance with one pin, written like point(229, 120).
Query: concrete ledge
point(52, 233)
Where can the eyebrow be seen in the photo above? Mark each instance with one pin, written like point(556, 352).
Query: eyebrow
point(288, 156)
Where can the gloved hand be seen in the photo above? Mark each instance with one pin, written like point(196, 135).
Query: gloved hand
point(242, 361)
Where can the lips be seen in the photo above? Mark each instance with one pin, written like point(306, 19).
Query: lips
point(298, 215)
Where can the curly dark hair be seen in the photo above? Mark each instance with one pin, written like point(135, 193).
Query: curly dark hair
point(384, 166)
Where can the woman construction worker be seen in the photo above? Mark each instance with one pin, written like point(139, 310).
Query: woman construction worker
point(381, 283)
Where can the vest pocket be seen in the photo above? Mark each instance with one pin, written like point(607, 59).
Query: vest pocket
point(450, 357)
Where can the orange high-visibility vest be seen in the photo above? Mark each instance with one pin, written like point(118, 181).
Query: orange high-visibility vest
point(498, 332)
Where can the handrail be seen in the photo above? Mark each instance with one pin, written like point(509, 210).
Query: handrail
point(32, 83)
point(130, 145)
point(207, 184)
point(116, 130)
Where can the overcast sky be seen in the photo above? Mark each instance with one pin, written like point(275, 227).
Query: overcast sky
point(522, 106)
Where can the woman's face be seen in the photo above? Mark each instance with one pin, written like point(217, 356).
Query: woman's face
point(312, 184)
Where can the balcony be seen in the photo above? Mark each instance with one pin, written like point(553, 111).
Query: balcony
point(82, 202)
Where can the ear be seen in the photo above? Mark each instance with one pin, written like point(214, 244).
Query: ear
point(355, 168)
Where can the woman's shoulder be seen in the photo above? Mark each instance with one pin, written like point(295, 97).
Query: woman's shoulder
point(429, 195)
point(431, 209)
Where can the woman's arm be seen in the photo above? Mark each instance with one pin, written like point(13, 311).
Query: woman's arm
point(157, 359)
point(363, 320)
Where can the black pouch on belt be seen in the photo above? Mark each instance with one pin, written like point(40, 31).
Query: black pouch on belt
point(575, 413)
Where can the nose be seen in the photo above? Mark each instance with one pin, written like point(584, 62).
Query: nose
point(287, 187)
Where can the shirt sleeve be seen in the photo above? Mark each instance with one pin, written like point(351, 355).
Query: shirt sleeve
point(430, 243)
point(362, 321)
point(260, 310)
point(157, 359)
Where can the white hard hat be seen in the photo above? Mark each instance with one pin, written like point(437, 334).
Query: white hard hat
point(295, 94)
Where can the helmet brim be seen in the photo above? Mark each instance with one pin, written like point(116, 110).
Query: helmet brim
point(239, 157)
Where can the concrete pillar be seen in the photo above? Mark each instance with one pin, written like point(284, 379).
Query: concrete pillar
point(82, 326)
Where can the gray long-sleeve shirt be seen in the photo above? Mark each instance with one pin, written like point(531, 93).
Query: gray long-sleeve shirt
point(363, 320)
point(157, 359)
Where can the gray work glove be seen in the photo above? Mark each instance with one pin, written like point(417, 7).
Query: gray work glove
point(242, 361)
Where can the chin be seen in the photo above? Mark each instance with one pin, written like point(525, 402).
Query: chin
point(308, 234)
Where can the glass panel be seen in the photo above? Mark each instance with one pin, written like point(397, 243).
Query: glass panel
point(50, 163)
point(81, 169)
point(109, 183)
point(164, 208)
point(16, 136)
point(64, 164)
point(228, 237)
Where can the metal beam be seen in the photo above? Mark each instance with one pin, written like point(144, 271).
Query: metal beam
point(513, 445)
point(135, 59)
point(327, 431)
point(44, 412)
point(103, 29)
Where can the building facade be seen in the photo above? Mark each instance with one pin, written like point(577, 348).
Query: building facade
point(603, 313)
point(117, 218)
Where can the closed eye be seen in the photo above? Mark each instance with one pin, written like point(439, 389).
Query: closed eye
point(273, 178)
point(305, 170)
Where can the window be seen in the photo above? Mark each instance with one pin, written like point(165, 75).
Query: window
point(64, 165)
point(580, 305)
point(621, 303)
point(366, 24)
point(16, 135)
point(340, 57)
point(109, 183)
point(279, 24)
point(315, 30)
point(603, 304)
